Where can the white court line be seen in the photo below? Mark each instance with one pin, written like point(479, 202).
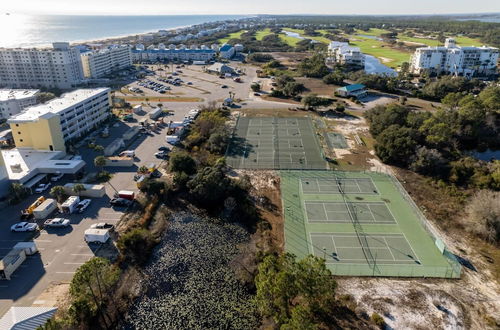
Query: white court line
point(389, 249)
point(335, 246)
point(411, 247)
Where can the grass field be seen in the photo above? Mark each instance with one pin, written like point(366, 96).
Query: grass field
point(361, 223)
point(234, 35)
point(462, 41)
point(389, 56)
point(372, 32)
point(260, 34)
point(302, 34)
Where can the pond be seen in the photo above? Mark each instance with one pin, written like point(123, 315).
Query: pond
point(293, 34)
point(487, 155)
point(373, 65)
point(369, 37)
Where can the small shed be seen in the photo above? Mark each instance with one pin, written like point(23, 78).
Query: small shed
point(356, 90)
point(220, 68)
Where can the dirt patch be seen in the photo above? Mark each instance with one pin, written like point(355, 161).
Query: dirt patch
point(317, 86)
point(290, 59)
point(55, 295)
point(281, 100)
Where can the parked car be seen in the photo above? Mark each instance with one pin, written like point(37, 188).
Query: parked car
point(102, 225)
point(120, 202)
point(24, 226)
point(83, 205)
point(42, 187)
point(161, 155)
point(163, 148)
point(223, 86)
point(56, 177)
point(56, 223)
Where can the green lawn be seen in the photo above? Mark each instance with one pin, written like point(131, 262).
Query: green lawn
point(302, 34)
point(461, 40)
point(234, 35)
point(372, 32)
point(380, 50)
point(260, 34)
point(466, 41)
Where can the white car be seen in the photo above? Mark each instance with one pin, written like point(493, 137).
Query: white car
point(56, 223)
point(56, 177)
point(24, 226)
point(42, 187)
point(83, 205)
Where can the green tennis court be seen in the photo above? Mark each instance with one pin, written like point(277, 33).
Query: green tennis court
point(363, 224)
point(274, 143)
point(337, 141)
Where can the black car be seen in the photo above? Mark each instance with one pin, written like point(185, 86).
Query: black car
point(120, 202)
point(163, 149)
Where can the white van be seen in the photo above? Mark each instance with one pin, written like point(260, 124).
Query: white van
point(127, 153)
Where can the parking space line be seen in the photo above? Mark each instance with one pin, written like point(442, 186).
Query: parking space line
point(82, 254)
point(43, 240)
point(65, 272)
point(74, 263)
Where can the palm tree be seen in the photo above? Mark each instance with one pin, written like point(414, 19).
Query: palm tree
point(99, 148)
point(78, 188)
point(58, 193)
point(100, 161)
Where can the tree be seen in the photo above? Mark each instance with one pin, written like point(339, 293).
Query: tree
point(58, 193)
point(483, 215)
point(209, 186)
point(334, 78)
point(78, 188)
point(136, 245)
point(182, 162)
point(292, 89)
point(312, 101)
point(99, 148)
point(396, 145)
point(429, 162)
point(255, 87)
point(314, 66)
point(18, 191)
point(91, 286)
point(294, 292)
point(100, 162)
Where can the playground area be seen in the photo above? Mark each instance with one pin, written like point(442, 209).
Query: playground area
point(274, 143)
point(362, 224)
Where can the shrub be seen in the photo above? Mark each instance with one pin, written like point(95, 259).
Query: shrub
point(483, 215)
point(182, 162)
point(136, 245)
point(378, 320)
point(180, 179)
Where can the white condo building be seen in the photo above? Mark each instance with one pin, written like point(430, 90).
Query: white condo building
point(104, 61)
point(64, 118)
point(13, 101)
point(181, 54)
point(342, 53)
point(456, 60)
point(59, 67)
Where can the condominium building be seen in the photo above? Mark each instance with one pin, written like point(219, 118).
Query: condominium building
point(105, 61)
point(182, 54)
point(59, 67)
point(48, 126)
point(342, 53)
point(13, 101)
point(456, 60)
point(227, 51)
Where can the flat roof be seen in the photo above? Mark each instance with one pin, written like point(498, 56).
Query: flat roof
point(17, 94)
point(23, 164)
point(56, 105)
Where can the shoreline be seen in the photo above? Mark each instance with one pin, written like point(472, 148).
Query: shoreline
point(107, 39)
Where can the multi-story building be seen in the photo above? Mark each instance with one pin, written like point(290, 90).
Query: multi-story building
point(182, 54)
point(59, 67)
point(456, 60)
point(13, 101)
point(105, 61)
point(226, 51)
point(342, 53)
point(48, 126)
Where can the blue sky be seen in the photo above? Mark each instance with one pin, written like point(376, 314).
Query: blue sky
point(173, 7)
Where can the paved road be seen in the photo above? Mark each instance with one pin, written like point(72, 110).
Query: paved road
point(62, 251)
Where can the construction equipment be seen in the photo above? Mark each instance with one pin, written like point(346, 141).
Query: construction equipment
point(28, 212)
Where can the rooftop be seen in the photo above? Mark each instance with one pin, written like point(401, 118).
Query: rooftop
point(18, 94)
point(56, 105)
point(352, 88)
point(225, 48)
point(26, 317)
point(24, 163)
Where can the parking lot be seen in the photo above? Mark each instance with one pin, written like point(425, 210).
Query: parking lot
point(63, 250)
point(193, 85)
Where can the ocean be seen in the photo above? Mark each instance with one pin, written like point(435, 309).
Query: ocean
point(18, 30)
